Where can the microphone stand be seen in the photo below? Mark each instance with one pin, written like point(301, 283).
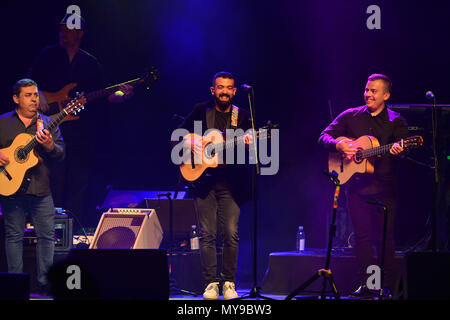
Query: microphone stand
point(255, 291)
point(383, 244)
point(436, 175)
point(326, 272)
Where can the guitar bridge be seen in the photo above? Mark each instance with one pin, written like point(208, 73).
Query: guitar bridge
point(192, 160)
point(6, 173)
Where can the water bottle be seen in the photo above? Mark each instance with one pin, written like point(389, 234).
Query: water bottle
point(300, 244)
point(194, 241)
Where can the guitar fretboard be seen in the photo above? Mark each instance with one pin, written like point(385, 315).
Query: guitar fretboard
point(107, 91)
point(368, 153)
point(236, 141)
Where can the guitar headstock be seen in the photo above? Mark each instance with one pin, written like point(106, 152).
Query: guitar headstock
point(75, 105)
point(270, 125)
point(412, 142)
point(149, 77)
point(265, 132)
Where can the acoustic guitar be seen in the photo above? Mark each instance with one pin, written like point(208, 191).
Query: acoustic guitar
point(22, 155)
point(363, 161)
point(212, 145)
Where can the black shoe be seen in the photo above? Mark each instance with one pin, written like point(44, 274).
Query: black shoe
point(364, 292)
point(44, 290)
point(386, 294)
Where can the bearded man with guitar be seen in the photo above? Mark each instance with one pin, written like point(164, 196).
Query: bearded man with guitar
point(221, 190)
point(354, 140)
point(34, 195)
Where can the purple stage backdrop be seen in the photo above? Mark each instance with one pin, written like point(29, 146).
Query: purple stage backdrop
point(307, 61)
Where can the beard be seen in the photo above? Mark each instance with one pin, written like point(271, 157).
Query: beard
point(223, 105)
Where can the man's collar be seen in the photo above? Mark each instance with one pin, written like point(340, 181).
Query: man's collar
point(37, 116)
point(383, 114)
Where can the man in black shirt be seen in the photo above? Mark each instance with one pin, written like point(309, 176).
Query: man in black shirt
point(373, 119)
point(218, 201)
point(34, 197)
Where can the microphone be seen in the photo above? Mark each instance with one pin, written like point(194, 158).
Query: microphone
point(331, 174)
point(246, 87)
point(377, 203)
point(176, 116)
point(430, 95)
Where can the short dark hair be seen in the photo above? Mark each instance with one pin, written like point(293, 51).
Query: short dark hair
point(222, 74)
point(83, 25)
point(22, 83)
point(384, 78)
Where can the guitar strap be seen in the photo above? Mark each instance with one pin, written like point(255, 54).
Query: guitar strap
point(234, 117)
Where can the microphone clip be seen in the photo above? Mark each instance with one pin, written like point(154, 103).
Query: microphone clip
point(246, 87)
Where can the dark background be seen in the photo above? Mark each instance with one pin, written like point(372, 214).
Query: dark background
point(307, 60)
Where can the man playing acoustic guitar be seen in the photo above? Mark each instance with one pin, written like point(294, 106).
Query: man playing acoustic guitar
point(34, 196)
point(373, 119)
point(218, 202)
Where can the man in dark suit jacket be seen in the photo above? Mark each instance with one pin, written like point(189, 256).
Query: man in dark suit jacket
point(218, 201)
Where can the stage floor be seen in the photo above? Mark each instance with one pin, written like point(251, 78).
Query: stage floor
point(286, 271)
point(242, 292)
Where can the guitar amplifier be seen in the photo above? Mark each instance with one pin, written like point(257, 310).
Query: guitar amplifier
point(128, 228)
point(63, 233)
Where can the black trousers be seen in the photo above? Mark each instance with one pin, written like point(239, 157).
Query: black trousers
point(218, 216)
point(368, 220)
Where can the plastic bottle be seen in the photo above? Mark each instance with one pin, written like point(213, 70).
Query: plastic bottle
point(300, 244)
point(194, 240)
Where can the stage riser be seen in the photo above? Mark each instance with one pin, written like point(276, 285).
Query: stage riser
point(286, 272)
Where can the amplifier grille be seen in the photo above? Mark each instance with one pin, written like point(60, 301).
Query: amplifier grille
point(119, 231)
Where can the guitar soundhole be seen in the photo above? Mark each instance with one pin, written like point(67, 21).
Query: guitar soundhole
point(209, 152)
point(21, 155)
point(358, 157)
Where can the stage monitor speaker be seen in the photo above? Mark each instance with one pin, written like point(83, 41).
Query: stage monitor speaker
point(424, 276)
point(111, 274)
point(128, 228)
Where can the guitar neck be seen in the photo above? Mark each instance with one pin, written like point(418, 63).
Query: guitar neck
point(236, 141)
point(229, 144)
point(107, 91)
point(373, 152)
point(56, 120)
